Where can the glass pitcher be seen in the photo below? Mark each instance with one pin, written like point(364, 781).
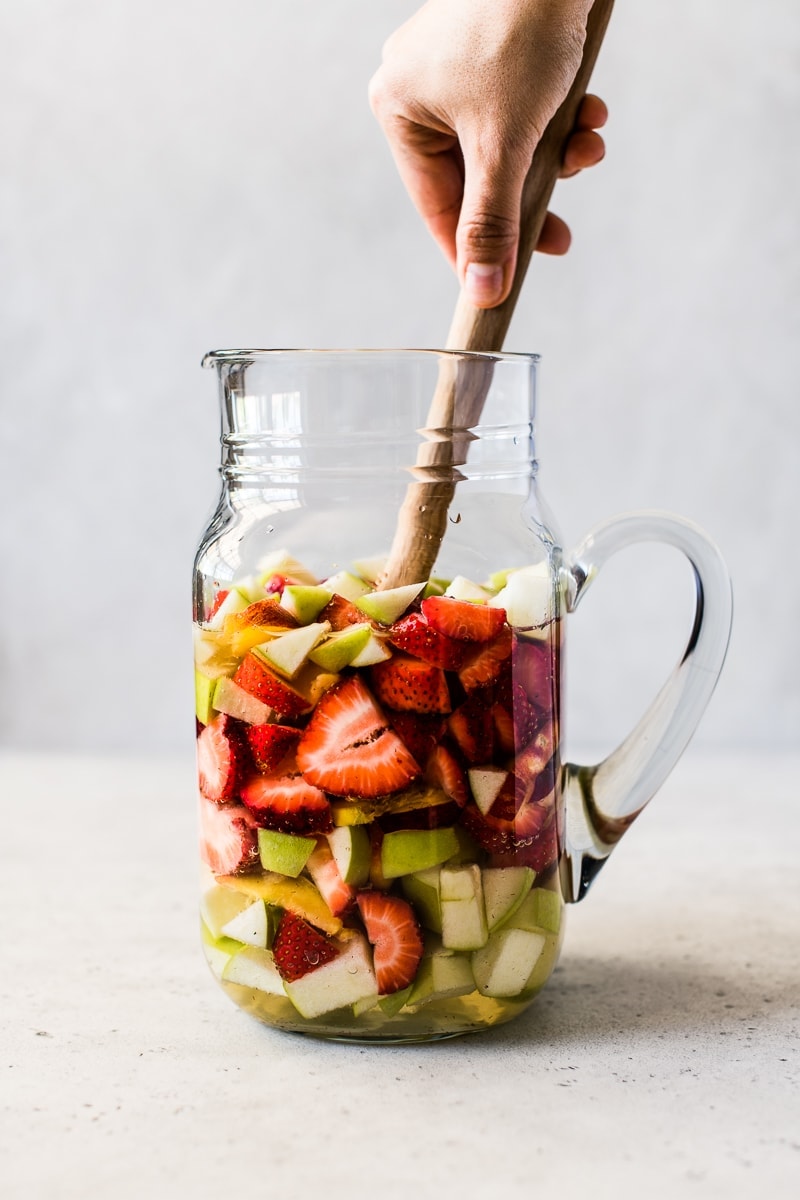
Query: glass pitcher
point(388, 833)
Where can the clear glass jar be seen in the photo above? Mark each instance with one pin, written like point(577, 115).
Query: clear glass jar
point(388, 833)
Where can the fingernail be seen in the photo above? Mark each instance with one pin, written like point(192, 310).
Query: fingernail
point(483, 282)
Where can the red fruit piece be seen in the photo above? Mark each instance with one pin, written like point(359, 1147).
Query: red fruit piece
point(256, 678)
point(414, 635)
point(485, 664)
point(443, 771)
point(420, 732)
point(220, 758)
point(220, 596)
point(287, 802)
point(396, 938)
point(271, 743)
point(262, 612)
point(348, 748)
point(340, 613)
point(534, 667)
point(228, 838)
point(322, 868)
point(462, 619)
point(503, 728)
point(530, 763)
point(411, 686)
point(298, 948)
point(472, 727)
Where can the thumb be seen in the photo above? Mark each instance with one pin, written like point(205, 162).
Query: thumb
point(487, 236)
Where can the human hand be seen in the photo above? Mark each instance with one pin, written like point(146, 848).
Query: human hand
point(465, 91)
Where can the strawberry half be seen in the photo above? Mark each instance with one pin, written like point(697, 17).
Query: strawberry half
point(420, 732)
point(535, 671)
point(287, 802)
point(409, 685)
point(322, 868)
point(472, 728)
point(485, 664)
point(220, 758)
point(462, 619)
point(443, 771)
point(414, 635)
point(298, 948)
point(255, 677)
point(228, 838)
point(270, 743)
point(394, 932)
point(348, 749)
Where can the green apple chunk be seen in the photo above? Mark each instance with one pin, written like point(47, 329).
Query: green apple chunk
point(540, 909)
point(463, 915)
point(409, 850)
point(218, 950)
point(339, 650)
point(370, 568)
point(345, 980)
point(503, 966)
point(461, 588)
point(442, 975)
point(375, 650)
point(254, 967)
point(422, 890)
point(347, 585)
point(527, 597)
point(390, 1005)
point(203, 696)
point(234, 602)
point(387, 606)
point(285, 853)
point(220, 905)
point(236, 702)
point(254, 926)
point(303, 601)
point(289, 651)
point(486, 783)
point(504, 890)
point(350, 847)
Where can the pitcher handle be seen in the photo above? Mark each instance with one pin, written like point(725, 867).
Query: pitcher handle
point(602, 801)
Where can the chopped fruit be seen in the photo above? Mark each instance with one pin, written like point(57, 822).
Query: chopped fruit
point(350, 848)
point(504, 890)
point(472, 728)
point(375, 651)
point(485, 664)
point(287, 802)
point(299, 948)
point(286, 853)
point(530, 763)
point(370, 568)
point(396, 938)
point(419, 732)
point(220, 905)
point(534, 671)
point(414, 635)
point(340, 613)
point(321, 866)
point(203, 695)
point(435, 587)
point(312, 682)
point(409, 850)
point(290, 651)
point(237, 702)
point(298, 896)
point(528, 597)
point(486, 783)
point(212, 653)
point(461, 588)
point(509, 825)
point(228, 838)
point(263, 613)
point(408, 685)
point(365, 810)
point(503, 728)
point(218, 599)
point(504, 965)
point(463, 620)
point(255, 677)
point(269, 744)
point(304, 602)
point(377, 879)
point(254, 967)
point(422, 889)
point(347, 586)
point(339, 650)
point(233, 602)
point(220, 757)
point(250, 926)
point(540, 909)
point(281, 562)
point(463, 915)
point(525, 717)
point(345, 981)
point(442, 975)
point(386, 607)
point(348, 749)
point(442, 770)
point(540, 853)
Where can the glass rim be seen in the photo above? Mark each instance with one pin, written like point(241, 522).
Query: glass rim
point(217, 357)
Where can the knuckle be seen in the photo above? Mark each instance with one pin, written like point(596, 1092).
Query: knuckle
point(488, 234)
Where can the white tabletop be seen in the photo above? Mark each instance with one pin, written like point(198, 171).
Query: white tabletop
point(663, 1055)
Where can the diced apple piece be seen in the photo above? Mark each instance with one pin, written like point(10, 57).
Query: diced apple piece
point(290, 651)
point(461, 588)
point(346, 980)
point(339, 650)
point(422, 889)
point(435, 587)
point(527, 597)
point(370, 568)
point(254, 967)
point(388, 606)
point(463, 916)
point(350, 847)
point(298, 896)
point(218, 950)
point(220, 905)
point(213, 653)
point(375, 650)
point(540, 910)
point(203, 696)
point(234, 602)
point(251, 925)
point(304, 602)
point(504, 890)
point(504, 965)
point(281, 562)
point(236, 702)
point(442, 975)
point(347, 585)
point(486, 783)
point(408, 850)
point(285, 853)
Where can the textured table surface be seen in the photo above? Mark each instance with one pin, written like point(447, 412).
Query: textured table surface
point(662, 1059)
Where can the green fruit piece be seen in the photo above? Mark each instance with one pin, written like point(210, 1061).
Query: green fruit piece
point(234, 602)
point(527, 597)
point(339, 650)
point(346, 980)
point(422, 890)
point(463, 916)
point(435, 587)
point(220, 905)
point(281, 562)
point(462, 588)
point(390, 1005)
point(540, 909)
point(468, 850)
point(486, 783)
point(442, 975)
point(387, 606)
point(254, 967)
point(347, 585)
point(298, 896)
point(409, 850)
point(370, 568)
point(286, 853)
point(252, 925)
point(203, 696)
point(290, 651)
point(350, 847)
point(303, 601)
point(362, 812)
point(503, 966)
point(504, 890)
point(229, 698)
point(499, 579)
point(217, 950)
point(375, 650)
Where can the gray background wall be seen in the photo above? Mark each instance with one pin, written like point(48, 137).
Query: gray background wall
point(177, 175)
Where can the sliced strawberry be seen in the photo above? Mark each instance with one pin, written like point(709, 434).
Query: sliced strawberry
point(255, 677)
point(503, 728)
point(394, 932)
point(443, 771)
point(221, 757)
point(270, 743)
point(287, 802)
point(348, 748)
point(218, 599)
point(534, 669)
point(414, 635)
point(530, 763)
point(409, 685)
point(322, 868)
point(420, 732)
point(262, 612)
point(485, 664)
point(462, 619)
point(228, 838)
point(298, 948)
point(340, 613)
point(472, 728)
point(511, 822)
